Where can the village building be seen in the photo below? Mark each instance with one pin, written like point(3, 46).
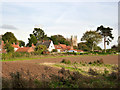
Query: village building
point(49, 44)
point(25, 49)
point(16, 46)
point(62, 47)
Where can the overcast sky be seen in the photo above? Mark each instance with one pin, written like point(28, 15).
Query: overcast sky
point(65, 18)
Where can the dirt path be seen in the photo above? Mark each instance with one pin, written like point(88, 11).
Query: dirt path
point(36, 69)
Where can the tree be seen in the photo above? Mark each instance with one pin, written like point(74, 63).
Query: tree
point(40, 34)
point(40, 48)
point(83, 46)
point(21, 43)
point(92, 38)
point(106, 33)
point(9, 36)
point(59, 39)
point(31, 40)
point(9, 48)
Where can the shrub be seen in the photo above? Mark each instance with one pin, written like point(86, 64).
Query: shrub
point(65, 61)
point(54, 50)
point(106, 71)
point(92, 72)
point(75, 62)
point(113, 75)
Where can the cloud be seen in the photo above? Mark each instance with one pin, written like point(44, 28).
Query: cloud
point(5, 26)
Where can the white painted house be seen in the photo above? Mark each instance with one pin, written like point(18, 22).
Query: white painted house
point(49, 44)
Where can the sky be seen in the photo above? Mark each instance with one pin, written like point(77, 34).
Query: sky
point(65, 18)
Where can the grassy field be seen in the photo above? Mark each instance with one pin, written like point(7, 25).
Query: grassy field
point(47, 56)
point(97, 73)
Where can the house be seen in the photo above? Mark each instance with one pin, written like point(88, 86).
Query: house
point(16, 46)
point(58, 48)
point(62, 47)
point(25, 49)
point(49, 44)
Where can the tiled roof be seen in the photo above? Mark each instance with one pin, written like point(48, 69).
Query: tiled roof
point(15, 46)
point(63, 46)
point(68, 47)
point(57, 46)
point(46, 43)
point(24, 49)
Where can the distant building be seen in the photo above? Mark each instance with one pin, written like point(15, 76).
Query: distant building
point(49, 44)
point(25, 49)
point(16, 46)
point(62, 47)
point(73, 41)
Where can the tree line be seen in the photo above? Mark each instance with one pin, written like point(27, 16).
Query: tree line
point(90, 39)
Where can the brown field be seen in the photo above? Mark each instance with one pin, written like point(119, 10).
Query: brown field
point(36, 69)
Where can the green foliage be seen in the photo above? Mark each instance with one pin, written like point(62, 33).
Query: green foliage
point(21, 43)
point(92, 38)
point(59, 39)
point(31, 40)
point(9, 36)
point(106, 33)
point(9, 48)
point(54, 50)
point(40, 48)
point(40, 34)
point(7, 56)
point(83, 46)
point(66, 61)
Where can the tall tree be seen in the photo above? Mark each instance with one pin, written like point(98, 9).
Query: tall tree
point(9, 36)
point(39, 34)
point(9, 48)
point(92, 38)
point(21, 43)
point(83, 46)
point(59, 39)
point(106, 33)
point(31, 40)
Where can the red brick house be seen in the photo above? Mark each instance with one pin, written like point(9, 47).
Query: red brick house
point(16, 46)
point(62, 47)
point(25, 49)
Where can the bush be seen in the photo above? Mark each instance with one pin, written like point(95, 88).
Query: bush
point(65, 61)
point(6, 56)
point(92, 72)
point(54, 50)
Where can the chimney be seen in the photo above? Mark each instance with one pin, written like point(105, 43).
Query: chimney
point(33, 45)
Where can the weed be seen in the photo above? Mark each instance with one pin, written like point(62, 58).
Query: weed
point(92, 72)
point(66, 61)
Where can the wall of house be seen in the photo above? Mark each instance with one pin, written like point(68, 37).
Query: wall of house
point(51, 46)
point(15, 49)
point(58, 50)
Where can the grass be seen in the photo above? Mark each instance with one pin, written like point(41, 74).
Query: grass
point(45, 56)
point(84, 68)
